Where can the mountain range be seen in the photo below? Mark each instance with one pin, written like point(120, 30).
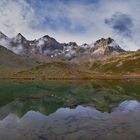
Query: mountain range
point(48, 47)
point(46, 57)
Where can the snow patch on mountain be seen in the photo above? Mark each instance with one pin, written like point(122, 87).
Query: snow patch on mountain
point(18, 49)
point(114, 45)
point(5, 42)
point(40, 42)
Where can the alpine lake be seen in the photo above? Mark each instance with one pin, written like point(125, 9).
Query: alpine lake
point(70, 110)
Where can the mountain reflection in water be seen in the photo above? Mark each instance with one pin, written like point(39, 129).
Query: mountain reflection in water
point(72, 110)
point(81, 123)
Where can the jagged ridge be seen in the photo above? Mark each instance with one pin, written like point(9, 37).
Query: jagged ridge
point(48, 47)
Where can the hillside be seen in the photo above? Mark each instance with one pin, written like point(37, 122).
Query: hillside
point(10, 62)
point(126, 65)
point(123, 64)
point(54, 70)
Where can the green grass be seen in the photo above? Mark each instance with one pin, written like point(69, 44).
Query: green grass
point(48, 97)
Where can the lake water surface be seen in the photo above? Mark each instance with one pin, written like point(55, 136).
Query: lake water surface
point(70, 110)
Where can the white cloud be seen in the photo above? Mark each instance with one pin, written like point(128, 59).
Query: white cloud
point(20, 16)
point(17, 16)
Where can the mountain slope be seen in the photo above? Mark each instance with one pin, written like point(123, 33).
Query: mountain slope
point(114, 67)
point(54, 70)
point(10, 62)
point(123, 64)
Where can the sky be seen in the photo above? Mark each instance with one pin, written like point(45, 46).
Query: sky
point(82, 21)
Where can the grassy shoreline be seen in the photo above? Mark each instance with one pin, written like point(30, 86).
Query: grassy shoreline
point(91, 77)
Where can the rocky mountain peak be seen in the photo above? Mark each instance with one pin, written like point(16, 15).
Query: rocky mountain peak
point(20, 37)
point(104, 42)
point(46, 36)
point(46, 39)
point(107, 46)
point(72, 44)
point(109, 40)
point(19, 34)
point(85, 44)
